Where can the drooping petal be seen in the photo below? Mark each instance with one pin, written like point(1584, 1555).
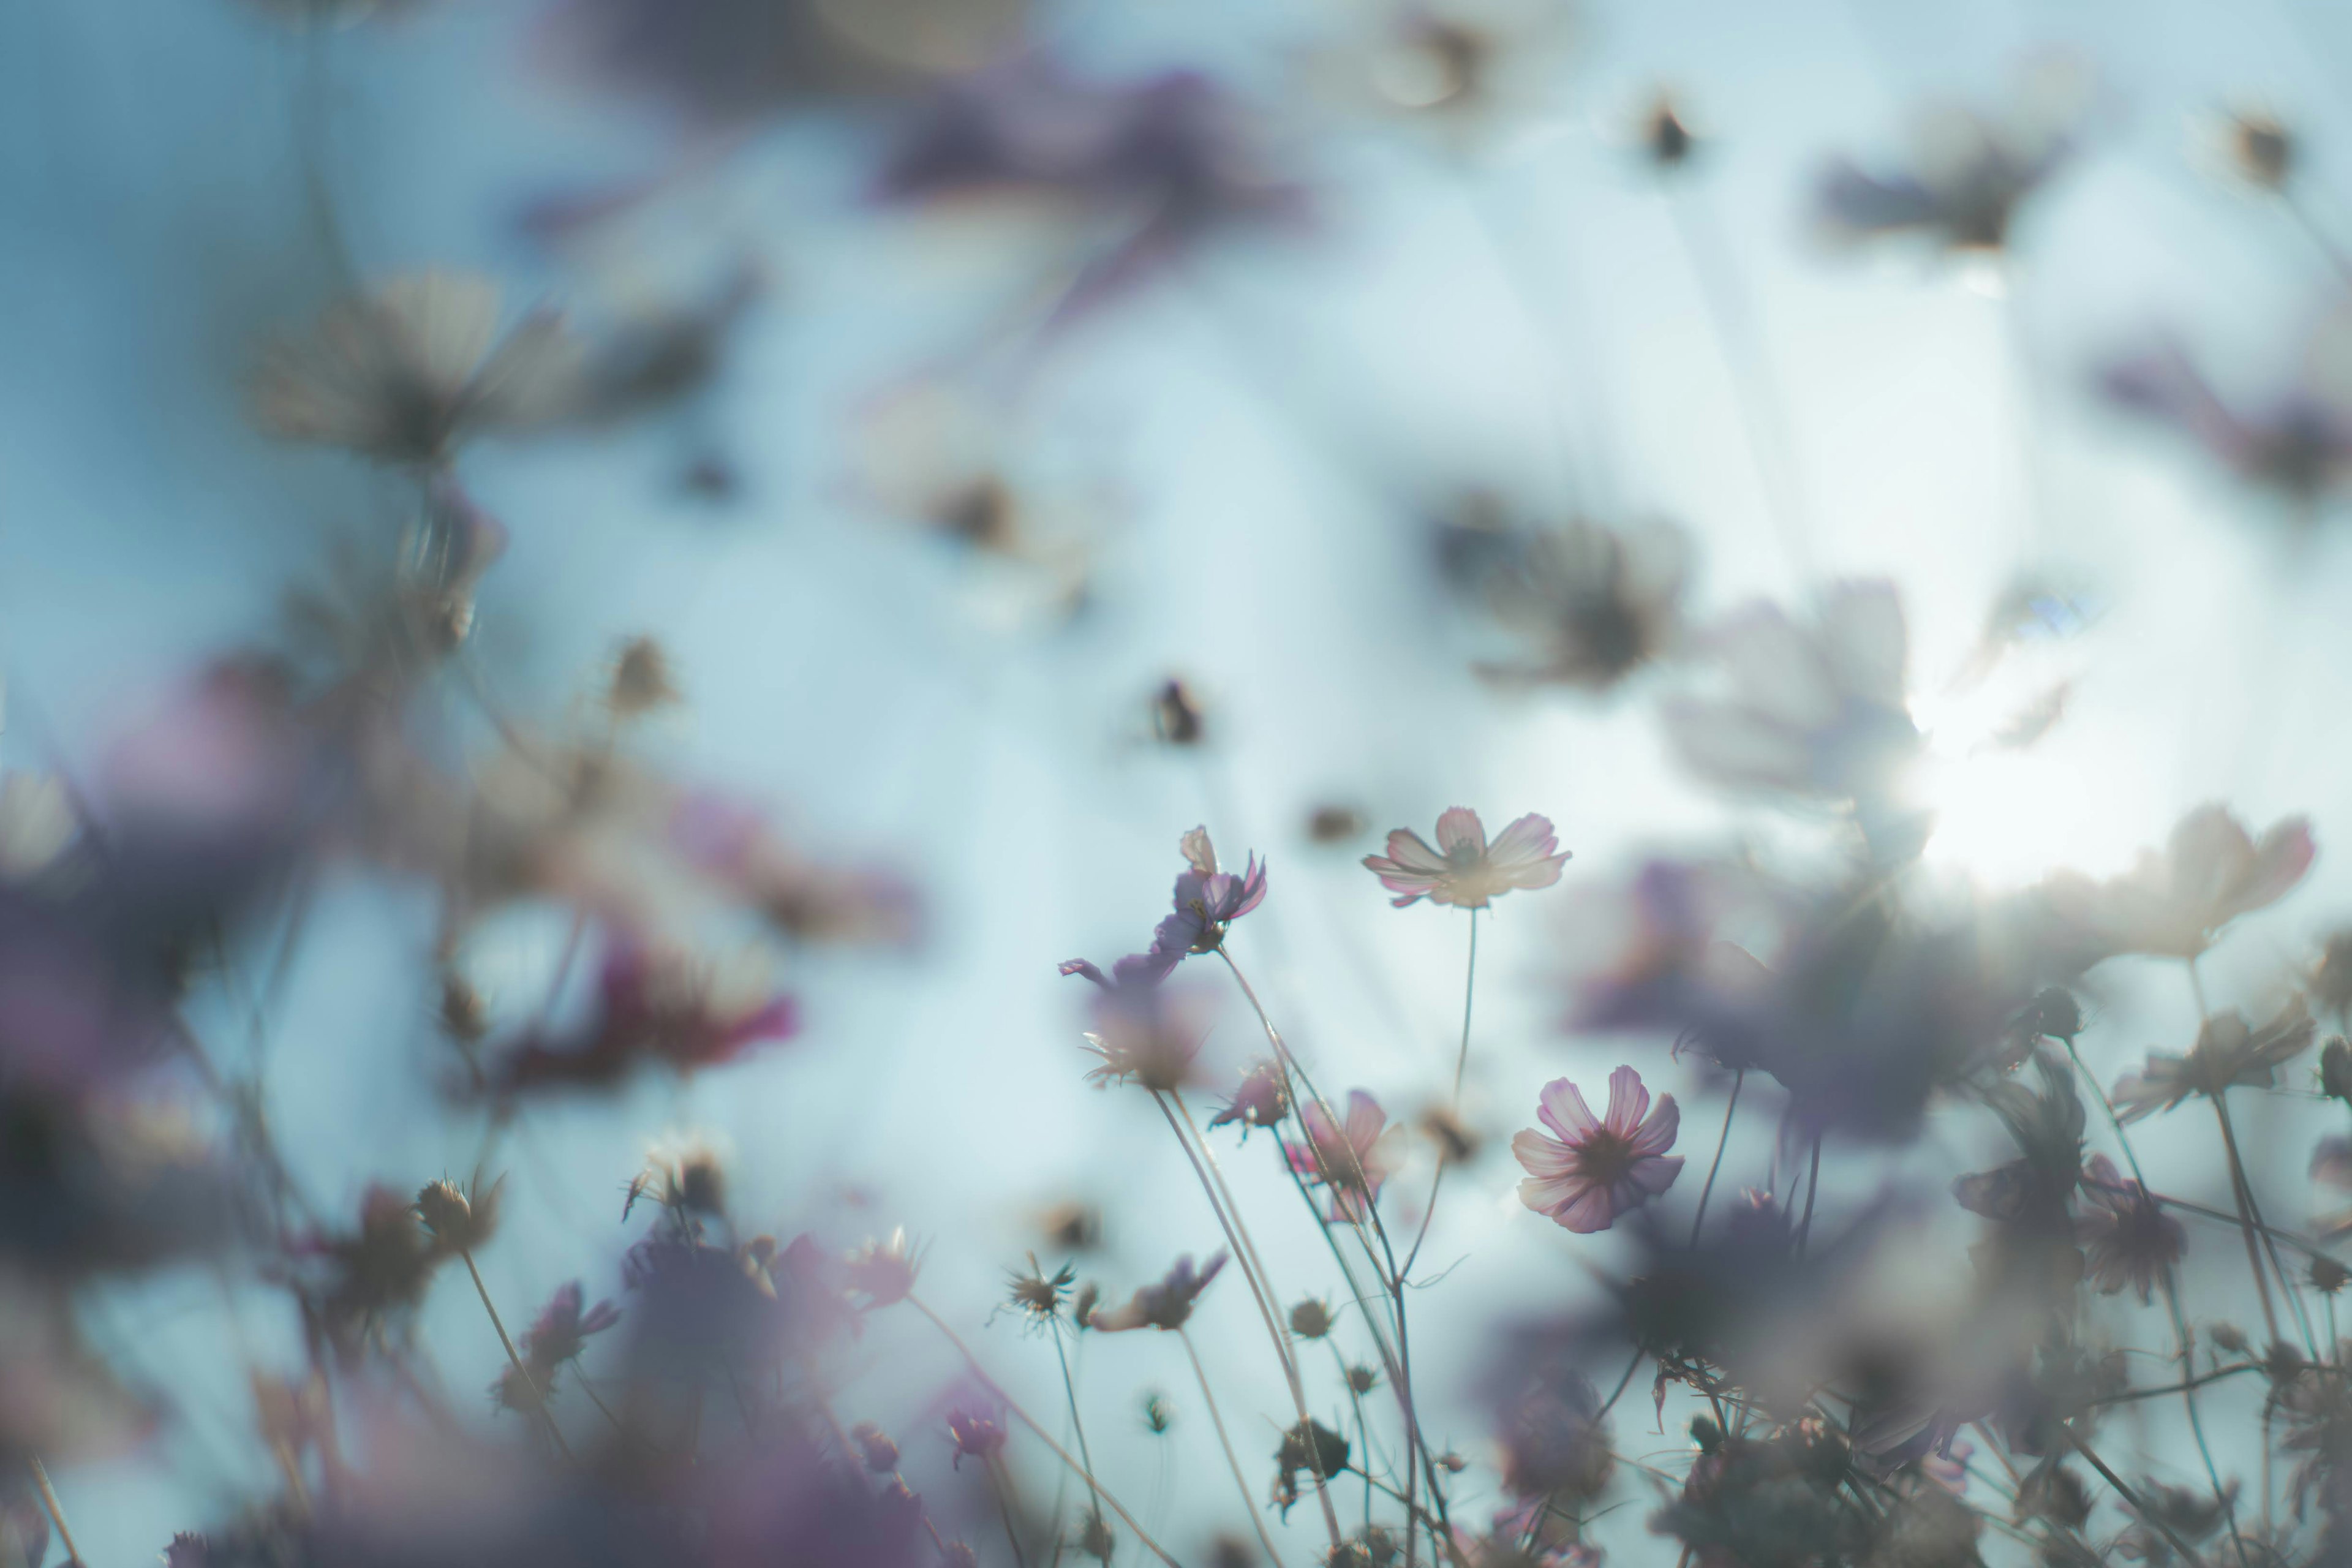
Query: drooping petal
point(1365, 1119)
point(1459, 830)
point(1561, 1106)
point(1198, 852)
point(1657, 1134)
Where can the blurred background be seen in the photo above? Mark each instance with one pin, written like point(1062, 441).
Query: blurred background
point(959, 383)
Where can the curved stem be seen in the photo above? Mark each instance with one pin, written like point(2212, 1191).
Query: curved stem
point(55, 1510)
point(1004, 1508)
point(1225, 1442)
point(979, 1373)
point(1469, 989)
point(1739, 1082)
point(539, 1394)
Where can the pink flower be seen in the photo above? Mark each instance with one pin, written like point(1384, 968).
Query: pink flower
point(1592, 1170)
point(1354, 1160)
point(1465, 871)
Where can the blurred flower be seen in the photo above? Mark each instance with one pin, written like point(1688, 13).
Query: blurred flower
point(1165, 1304)
point(884, 1271)
point(807, 900)
point(1465, 870)
point(1667, 141)
point(2127, 1238)
point(1554, 1439)
point(1154, 165)
point(408, 373)
point(1143, 1032)
point(1813, 712)
point(1334, 824)
point(1968, 176)
point(1262, 1101)
point(562, 1329)
point(2261, 151)
point(381, 1270)
point(1352, 1160)
point(641, 680)
point(2297, 441)
point(978, 1433)
point(653, 1007)
point(2228, 1053)
point(2174, 905)
point(1588, 1170)
point(1466, 70)
point(1588, 604)
point(2190, 1514)
point(2047, 1129)
point(1176, 715)
point(724, 62)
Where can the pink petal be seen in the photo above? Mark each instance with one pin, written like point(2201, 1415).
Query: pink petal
point(1365, 1119)
point(1628, 1102)
point(1546, 1193)
point(1588, 1211)
point(1528, 838)
point(1542, 1156)
point(1563, 1110)
point(1655, 1175)
point(1408, 853)
point(2281, 857)
point(1460, 829)
point(1534, 874)
point(1657, 1134)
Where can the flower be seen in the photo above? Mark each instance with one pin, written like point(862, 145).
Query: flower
point(1812, 713)
point(408, 373)
point(1164, 1305)
point(1465, 870)
point(1352, 1160)
point(459, 1222)
point(2127, 1238)
point(1145, 1033)
point(2174, 904)
point(978, 1433)
point(1262, 1100)
point(1588, 605)
point(1590, 1171)
point(1966, 179)
point(884, 1271)
point(1310, 1447)
point(1208, 899)
point(2295, 441)
point(2228, 1053)
point(560, 1330)
point(653, 1007)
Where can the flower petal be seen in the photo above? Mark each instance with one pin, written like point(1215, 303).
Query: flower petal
point(1542, 1156)
point(1460, 829)
point(1562, 1109)
point(1628, 1102)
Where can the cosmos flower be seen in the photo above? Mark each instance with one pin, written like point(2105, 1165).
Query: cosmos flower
point(408, 373)
point(1153, 165)
point(978, 1432)
point(883, 1272)
point(1960, 189)
point(1207, 900)
point(2127, 1239)
point(1145, 1033)
point(653, 1007)
point(2174, 904)
point(562, 1329)
point(1812, 713)
point(1588, 1170)
point(1588, 605)
point(1262, 1101)
point(1354, 1160)
point(1465, 870)
point(2228, 1053)
point(1164, 1304)
point(2296, 440)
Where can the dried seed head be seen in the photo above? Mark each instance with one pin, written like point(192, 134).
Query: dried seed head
point(1176, 715)
point(1157, 1417)
point(2054, 1015)
point(1456, 1141)
point(1037, 1295)
point(1311, 1319)
point(880, 1454)
point(640, 680)
point(2261, 150)
point(1666, 139)
point(1095, 1539)
point(2328, 1276)
point(2228, 1337)
point(1362, 1379)
point(464, 1015)
point(458, 1223)
point(1334, 823)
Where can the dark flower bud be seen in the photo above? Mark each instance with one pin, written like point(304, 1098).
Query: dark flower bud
point(1176, 715)
point(1451, 1463)
point(1666, 140)
point(977, 1434)
point(875, 1447)
point(1706, 1434)
point(641, 680)
point(1081, 1307)
point(1310, 1447)
point(458, 1223)
point(1073, 1227)
point(1310, 1319)
point(1157, 1417)
point(2227, 1337)
point(2054, 1015)
point(2336, 1069)
point(2056, 1494)
point(515, 1389)
point(1095, 1539)
point(464, 1017)
point(2262, 149)
point(2328, 1276)
point(1362, 1379)
point(1334, 824)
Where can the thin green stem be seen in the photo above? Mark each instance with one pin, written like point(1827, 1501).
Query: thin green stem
point(1739, 1081)
point(2196, 1424)
point(1812, 1186)
point(1249, 1503)
point(2131, 1497)
point(2245, 1214)
point(979, 1373)
point(996, 1483)
point(1469, 989)
point(1070, 1389)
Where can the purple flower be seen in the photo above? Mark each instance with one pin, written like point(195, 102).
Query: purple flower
point(1962, 186)
point(2298, 441)
point(562, 1329)
point(978, 1432)
point(1591, 1170)
point(1208, 899)
point(1465, 870)
point(1354, 1160)
point(2127, 1238)
point(1166, 1303)
point(1262, 1100)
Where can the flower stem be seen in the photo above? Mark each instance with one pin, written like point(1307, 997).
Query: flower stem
point(1469, 989)
point(1070, 1390)
point(1812, 1185)
point(1739, 1081)
point(2245, 1215)
point(1225, 1442)
point(1005, 1509)
point(55, 1510)
point(539, 1394)
point(2131, 1497)
point(996, 1389)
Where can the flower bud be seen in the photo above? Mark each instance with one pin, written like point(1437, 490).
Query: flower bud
point(458, 1223)
point(1310, 1319)
point(875, 1447)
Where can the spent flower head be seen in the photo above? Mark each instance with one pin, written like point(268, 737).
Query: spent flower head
point(1353, 1158)
point(2228, 1053)
point(1166, 1303)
